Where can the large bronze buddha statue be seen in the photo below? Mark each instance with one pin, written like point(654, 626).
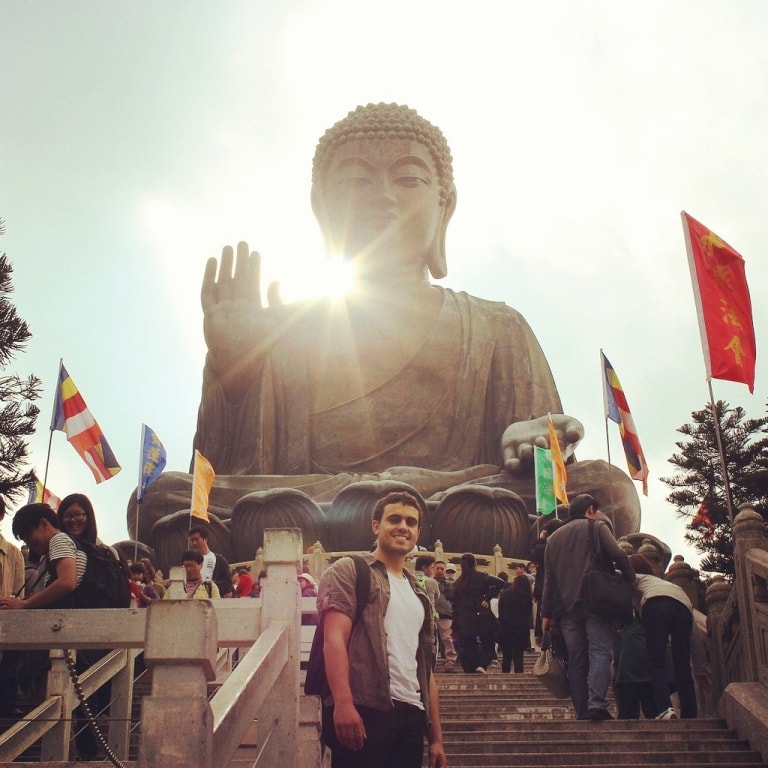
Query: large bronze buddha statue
point(400, 381)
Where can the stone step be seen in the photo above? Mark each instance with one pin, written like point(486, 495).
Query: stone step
point(642, 730)
point(632, 758)
point(519, 761)
point(500, 720)
point(627, 744)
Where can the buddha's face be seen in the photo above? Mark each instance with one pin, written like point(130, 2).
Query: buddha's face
point(381, 203)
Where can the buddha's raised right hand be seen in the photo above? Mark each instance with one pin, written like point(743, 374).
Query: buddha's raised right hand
point(235, 321)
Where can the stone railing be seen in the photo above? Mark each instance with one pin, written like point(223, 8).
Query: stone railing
point(738, 613)
point(316, 560)
point(181, 727)
point(738, 618)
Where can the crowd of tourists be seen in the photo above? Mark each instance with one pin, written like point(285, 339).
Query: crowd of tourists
point(479, 620)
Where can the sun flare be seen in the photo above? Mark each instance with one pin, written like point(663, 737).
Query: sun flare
point(332, 278)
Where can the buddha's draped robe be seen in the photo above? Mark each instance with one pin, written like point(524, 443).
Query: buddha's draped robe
point(478, 370)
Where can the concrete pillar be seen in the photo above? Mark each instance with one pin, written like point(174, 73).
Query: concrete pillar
point(717, 595)
point(748, 533)
point(685, 577)
point(55, 745)
point(280, 602)
point(176, 719)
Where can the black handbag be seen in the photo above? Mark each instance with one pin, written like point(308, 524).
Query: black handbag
point(605, 592)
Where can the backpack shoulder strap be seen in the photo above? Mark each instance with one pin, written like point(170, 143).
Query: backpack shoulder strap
point(362, 585)
point(597, 550)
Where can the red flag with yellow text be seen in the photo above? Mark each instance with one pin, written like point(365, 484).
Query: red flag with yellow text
point(723, 305)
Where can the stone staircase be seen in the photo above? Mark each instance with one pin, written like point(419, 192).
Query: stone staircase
point(512, 720)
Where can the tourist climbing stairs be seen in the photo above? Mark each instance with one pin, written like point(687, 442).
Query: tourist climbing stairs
point(512, 720)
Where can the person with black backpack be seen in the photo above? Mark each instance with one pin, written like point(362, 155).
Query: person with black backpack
point(77, 574)
point(378, 650)
point(38, 527)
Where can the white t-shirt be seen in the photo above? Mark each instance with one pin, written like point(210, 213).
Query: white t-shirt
point(209, 563)
point(402, 623)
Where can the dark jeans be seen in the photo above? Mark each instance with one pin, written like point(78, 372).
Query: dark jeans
point(9, 673)
point(474, 654)
point(394, 739)
point(589, 640)
point(631, 698)
point(665, 617)
point(513, 645)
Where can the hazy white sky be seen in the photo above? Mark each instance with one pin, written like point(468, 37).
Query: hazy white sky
point(137, 138)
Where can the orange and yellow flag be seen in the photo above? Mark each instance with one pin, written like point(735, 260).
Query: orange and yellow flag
point(558, 465)
point(202, 482)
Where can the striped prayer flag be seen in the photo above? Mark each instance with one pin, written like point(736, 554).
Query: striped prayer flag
point(617, 409)
point(40, 495)
point(71, 416)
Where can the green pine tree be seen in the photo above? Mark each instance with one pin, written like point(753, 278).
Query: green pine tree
point(18, 413)
point(698, 479)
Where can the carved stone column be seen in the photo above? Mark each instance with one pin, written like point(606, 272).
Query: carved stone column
point(748, 533)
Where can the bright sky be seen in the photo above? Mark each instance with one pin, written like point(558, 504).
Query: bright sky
point(138, 138)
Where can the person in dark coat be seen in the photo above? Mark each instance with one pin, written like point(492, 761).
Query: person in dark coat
point(537, 557)
point(473, 617)
point(515, 611)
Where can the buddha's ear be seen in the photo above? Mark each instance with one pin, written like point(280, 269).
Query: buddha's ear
point(436, 259)
point(318, 208)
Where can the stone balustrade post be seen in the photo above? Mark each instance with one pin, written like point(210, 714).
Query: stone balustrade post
point(498, 560)
point(649, 551)
point(281, 602)
point(176, 720)
point(176, 589)
point(684, 576)
point(55, 743)
point(717, 595)
point(259, 565)
point(748, 533)
point(316, 555)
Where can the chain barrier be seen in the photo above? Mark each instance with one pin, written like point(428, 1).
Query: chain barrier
point(113, 758)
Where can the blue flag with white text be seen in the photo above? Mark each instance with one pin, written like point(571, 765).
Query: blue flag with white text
point(152, 460)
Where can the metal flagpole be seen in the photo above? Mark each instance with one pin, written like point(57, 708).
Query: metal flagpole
point(607, 441)
point(53, 418)
point(721, 452)
point(139, 493)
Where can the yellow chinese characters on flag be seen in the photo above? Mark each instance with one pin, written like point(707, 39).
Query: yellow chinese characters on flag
point(560, 476)
point(723, 305)
point(202, 482)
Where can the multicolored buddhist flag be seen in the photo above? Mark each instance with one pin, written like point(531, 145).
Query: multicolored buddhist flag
point(617, 409)
point(40, 495)
point(71, 416)
point(723, 305)
point(546, 503)
point(202, 482)
point(153, 458)
point(559, 475)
